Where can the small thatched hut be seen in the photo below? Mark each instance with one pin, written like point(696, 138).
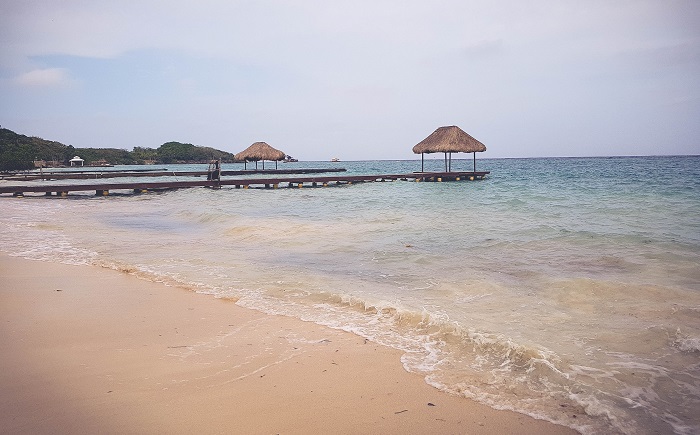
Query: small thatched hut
point(260, 151)
point(448, 140)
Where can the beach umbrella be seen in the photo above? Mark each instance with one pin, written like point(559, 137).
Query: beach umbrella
point(260, 151)
point(448, 140)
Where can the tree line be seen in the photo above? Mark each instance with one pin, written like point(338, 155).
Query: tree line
point(19, 152)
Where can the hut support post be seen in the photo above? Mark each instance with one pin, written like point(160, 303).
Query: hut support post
point(275, 165)
point(474, 162)
point(445, 162)
point(422, 155)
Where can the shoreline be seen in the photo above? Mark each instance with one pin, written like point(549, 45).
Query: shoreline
point(87, 349)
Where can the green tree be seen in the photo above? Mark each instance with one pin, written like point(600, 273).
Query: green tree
point(173, 152)
point(68, 154)
point(142, 155)
point(15, 158)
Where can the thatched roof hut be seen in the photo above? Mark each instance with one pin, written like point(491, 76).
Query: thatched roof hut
point(260, 151)
point(448, 140)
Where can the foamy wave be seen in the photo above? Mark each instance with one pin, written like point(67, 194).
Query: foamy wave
point(42, 241)
point(503, 351)
point(170, 279)
point(58, 252)
point(487, 367)
point(686, 343)
point(491, 368)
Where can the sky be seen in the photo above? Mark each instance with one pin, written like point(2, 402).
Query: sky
point(357, 79)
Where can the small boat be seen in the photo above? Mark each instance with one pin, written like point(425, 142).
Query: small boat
point(289, 159)
point(335, 159)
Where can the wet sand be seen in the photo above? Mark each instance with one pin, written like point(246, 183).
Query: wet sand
point(88, 350)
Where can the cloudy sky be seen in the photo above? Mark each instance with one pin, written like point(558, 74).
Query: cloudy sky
point(357, 79)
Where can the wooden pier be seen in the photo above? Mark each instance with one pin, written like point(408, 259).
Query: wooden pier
point(95, 175)
point(103, 189)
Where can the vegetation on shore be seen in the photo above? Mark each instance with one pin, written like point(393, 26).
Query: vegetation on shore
point(19, 152)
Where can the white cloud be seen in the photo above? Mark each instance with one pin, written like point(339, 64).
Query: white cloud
point(49, 77)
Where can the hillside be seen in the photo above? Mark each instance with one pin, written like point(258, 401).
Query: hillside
point(18, 152)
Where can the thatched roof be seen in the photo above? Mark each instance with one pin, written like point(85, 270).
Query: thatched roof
point(260, 151)
point(450, 139)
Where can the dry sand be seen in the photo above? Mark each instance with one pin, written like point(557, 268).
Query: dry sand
point(90, 350)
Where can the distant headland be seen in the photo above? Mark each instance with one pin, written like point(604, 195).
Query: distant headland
point(20, 152)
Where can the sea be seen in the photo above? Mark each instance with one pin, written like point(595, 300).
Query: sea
point(567, 289)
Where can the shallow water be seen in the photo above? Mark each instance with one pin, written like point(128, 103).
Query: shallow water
point(567, 289)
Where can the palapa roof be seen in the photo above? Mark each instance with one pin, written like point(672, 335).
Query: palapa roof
point(260, 151)
point(450, 139)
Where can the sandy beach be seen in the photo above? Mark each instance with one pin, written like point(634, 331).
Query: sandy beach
point(92, 350)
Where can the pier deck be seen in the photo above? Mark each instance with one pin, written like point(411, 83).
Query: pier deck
point(272, 182)
point(97, 174)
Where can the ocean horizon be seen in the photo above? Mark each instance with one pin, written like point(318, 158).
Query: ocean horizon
point(565, 288)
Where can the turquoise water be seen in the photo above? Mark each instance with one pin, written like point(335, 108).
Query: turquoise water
point(567, 289)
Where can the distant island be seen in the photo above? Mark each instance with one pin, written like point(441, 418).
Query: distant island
point(20, 152)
